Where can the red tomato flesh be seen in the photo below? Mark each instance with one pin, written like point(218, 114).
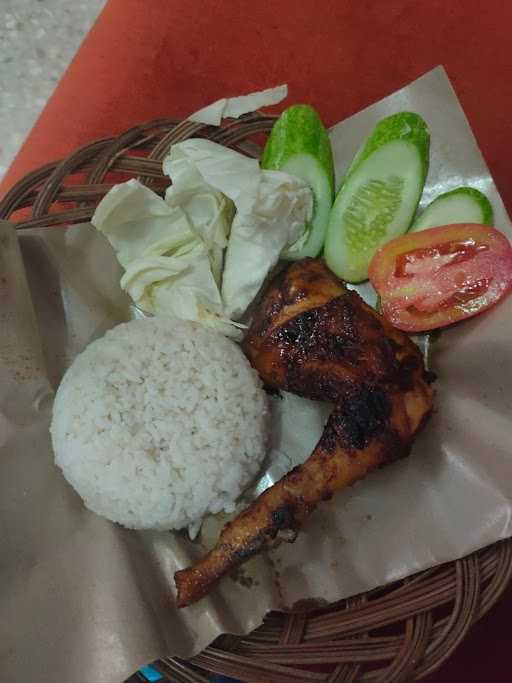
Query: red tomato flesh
point(435, 277)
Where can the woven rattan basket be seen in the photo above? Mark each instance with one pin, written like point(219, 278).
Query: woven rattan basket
point(398, 633)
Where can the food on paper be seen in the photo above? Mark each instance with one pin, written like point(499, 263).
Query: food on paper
point(234, 107)
point(300, 145)
point(462, 205)
point(176, 412)
point(159, 423)
point(314, 337)
point(435, 277)
point(379, 194)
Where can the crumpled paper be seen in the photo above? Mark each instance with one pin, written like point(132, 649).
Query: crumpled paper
point(83, 599)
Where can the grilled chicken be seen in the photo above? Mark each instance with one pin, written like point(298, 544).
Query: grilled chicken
point(314, 337)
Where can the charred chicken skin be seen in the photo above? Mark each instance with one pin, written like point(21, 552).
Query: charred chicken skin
point(314, 337)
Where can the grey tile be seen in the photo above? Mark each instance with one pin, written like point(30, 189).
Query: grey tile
point(38, 39)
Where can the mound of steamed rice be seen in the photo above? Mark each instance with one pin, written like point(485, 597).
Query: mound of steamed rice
point(159, 423)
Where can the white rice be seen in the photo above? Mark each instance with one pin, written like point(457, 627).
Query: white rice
point(159, 423)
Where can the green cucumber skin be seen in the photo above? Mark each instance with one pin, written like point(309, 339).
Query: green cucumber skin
point(299, 130)
point(406, 127)
point(478, 197)
point(298, 138)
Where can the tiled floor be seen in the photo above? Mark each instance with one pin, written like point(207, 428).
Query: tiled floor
point(38, 39)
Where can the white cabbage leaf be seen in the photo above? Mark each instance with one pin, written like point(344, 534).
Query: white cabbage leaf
point(185, 255)
point(259, 234)
point(221, 168)
point(137, 222)
point(172, 249)
point(234, 107)
point(209, 211)
point(179, 286)
point(272, 209)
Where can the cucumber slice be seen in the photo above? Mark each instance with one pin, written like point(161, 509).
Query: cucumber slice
point(462, 205)
point(379, 195)
point(300, 146)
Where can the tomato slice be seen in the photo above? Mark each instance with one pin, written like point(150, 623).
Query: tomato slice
point(435, 277)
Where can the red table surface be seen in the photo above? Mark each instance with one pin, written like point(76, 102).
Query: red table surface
point(147, 59)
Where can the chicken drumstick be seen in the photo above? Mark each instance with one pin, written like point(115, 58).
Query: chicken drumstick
point(314, 337)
